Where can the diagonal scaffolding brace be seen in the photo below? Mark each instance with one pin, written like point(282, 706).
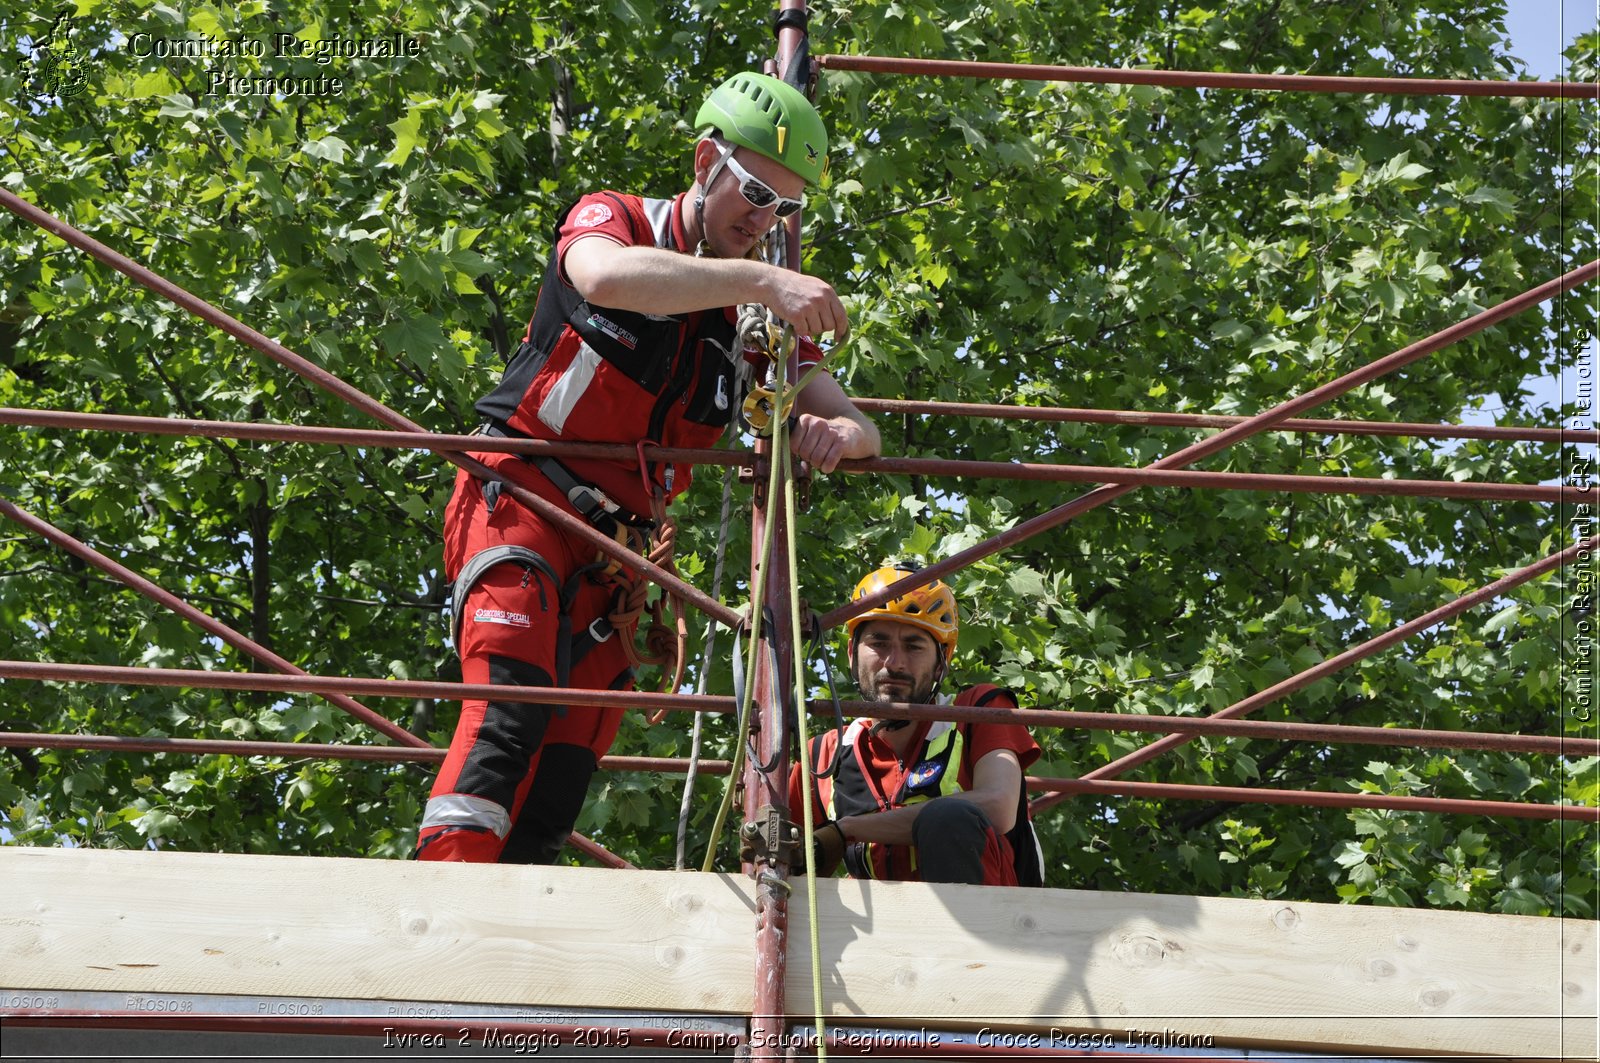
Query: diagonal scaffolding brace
point(202, 620)
point(360, 400)
point(1350, 656)
point(1261, 422)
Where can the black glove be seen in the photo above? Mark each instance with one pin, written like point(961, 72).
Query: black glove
point(827, 849)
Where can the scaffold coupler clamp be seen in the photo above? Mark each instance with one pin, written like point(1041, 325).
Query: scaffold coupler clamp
point(802, 485)
point(770, 838)
point(755, 475)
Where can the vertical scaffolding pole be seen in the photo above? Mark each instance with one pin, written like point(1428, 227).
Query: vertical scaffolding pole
point(767, 769)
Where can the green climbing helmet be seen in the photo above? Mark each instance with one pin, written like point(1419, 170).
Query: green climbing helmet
point(770, 117)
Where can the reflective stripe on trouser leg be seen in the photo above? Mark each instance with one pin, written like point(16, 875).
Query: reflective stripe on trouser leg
point(507, 633)
point(486, 775)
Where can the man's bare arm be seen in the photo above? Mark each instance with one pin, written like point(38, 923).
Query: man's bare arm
point(651, 280)
point(830, 428)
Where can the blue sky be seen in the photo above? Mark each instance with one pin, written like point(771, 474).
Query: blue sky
point(1540, 29)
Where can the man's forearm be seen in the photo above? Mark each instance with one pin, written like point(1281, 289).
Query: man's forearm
point(894, 827)
point(650, 280)
point(891, 828)
point(824, 398)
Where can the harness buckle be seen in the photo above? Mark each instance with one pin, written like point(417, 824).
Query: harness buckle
point(588, 499)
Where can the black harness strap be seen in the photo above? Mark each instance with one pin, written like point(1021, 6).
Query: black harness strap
point(591, 503)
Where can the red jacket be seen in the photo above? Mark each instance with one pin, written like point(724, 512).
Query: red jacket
point(596, 374)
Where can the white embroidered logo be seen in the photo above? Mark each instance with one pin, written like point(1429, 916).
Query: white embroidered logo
point(592, 215)
point(614, 330)
point(500, 616)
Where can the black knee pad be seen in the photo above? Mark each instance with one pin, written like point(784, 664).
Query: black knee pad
point(950, 819)
point(951, 837)
point(551, 808)
point(509, 736)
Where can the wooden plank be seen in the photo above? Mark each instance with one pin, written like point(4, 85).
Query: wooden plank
point(389, 930)
point(1174, 970)
point(1170, 969)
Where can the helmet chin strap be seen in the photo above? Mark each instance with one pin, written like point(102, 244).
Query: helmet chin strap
point(703, 249)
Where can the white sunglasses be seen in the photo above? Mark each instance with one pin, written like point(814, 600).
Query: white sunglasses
point(756, 191)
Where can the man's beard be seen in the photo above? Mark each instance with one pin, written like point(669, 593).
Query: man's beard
point(871, 687)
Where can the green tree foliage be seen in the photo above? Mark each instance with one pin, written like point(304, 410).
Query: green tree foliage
point(998, 241)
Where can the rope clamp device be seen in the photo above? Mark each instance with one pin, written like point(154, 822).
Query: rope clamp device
point(758, 410)
point(769, 838)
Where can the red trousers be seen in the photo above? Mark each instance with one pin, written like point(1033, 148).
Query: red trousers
point(514, 781)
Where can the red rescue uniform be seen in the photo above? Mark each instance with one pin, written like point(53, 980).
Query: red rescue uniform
point(872, 778)
point(527, 611)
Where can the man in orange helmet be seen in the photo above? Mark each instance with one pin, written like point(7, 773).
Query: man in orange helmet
point(920, 800)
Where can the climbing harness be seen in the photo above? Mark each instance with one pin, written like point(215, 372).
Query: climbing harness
point(654, 537)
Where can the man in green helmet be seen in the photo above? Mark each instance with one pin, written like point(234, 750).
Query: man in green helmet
point(633, 340)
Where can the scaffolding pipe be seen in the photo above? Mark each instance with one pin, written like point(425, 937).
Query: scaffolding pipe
point(766, 766)
point(1005, 470)
point(620, 1040)
point(1203, 79)
point(208, 313)
point(363, 437)
point(930, 1041)
point(199, 747)
point(1350, 656)
point(1319, 799)
point(384, 688)
point(1150, 418)
point(1203, 726)
point(374, 437)
point(680, 1042)
point(204, 621)
point(1194, 726)
point(1229, 481)
point(598, 852)
point(1261, 422)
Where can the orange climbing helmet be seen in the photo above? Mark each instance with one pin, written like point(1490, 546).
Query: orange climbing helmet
point(931, 607)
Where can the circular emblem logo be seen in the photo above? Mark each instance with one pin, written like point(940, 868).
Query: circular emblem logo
point(592, 215)
point(59, 68)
